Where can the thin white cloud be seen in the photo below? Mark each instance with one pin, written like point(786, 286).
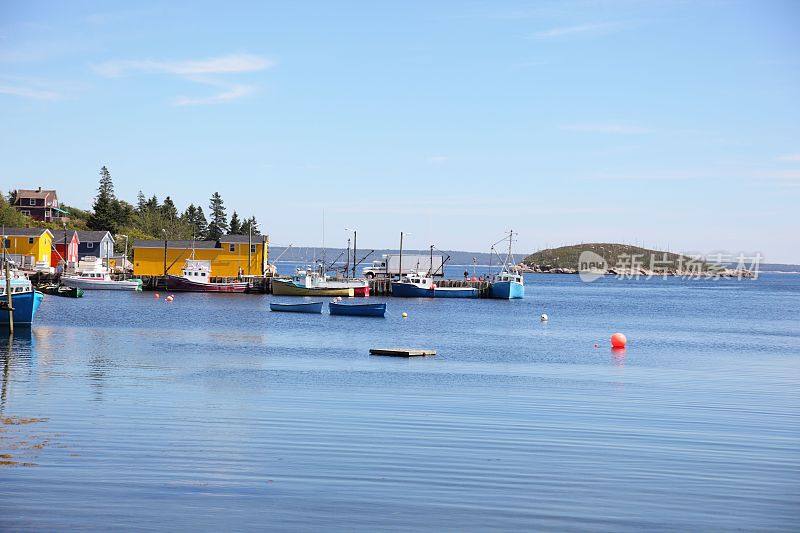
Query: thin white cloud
point(206, 71)
point(230, 64)
point(623, 129)
point(595, 28)
point(236, 91)
point(28, 89)
point(789, 157)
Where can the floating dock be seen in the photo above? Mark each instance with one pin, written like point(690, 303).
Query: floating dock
point(401, 352)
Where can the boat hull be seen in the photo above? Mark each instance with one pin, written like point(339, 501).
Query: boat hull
point(25, 306)
point(409, 290)
point(99, 284)
point(376, 310)
point(179, 284)
point(455, 292)
point(289, 288)
point(507, 290)
point(310, 308)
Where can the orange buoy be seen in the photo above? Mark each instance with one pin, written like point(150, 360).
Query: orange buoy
point(618, 340)
point(156, 295)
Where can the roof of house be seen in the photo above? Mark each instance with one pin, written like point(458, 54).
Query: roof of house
point(255, 239)
point(25, 232)
point(58, 235)
point(93, 236)
point(38, 193)
point(186, 245)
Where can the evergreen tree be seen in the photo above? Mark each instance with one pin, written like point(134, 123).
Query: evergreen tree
point(105, 205)
point(200, 224)
point(250, 226)
point(141, 202)
point(168, 209)
point(152, 204)
point(219, 221)
point(236, 226)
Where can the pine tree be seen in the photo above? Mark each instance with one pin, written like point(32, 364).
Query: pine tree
point(168, 209)
point(200, 224)
point(152, 204)
point(141, 202)
point(235, 226)
point(250, 226)
point(104, 216)
point(219, 221)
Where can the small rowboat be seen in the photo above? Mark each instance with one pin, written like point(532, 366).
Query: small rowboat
point(357, 309)
point(61, 290)
point(310, 307)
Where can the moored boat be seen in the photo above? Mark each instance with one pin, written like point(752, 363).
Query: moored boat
point(61, 290)
point(417, 285)
point(92, 275)
point(309, 283)
point(25, 300)
point(196, 277)
point(349, 309)
point(308, 307)
point(508, 284)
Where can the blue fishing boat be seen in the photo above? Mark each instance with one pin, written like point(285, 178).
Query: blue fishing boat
point(413, 285)
point(336, 308)
point(24, 299)
point(309, 307)
point(416, 285)
point(508, 284)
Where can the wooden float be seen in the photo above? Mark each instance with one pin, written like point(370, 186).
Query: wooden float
point(401, 352)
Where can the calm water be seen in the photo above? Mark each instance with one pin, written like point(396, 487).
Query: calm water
point(123, 411)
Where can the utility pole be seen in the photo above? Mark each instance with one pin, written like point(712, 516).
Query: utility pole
point(249, 246)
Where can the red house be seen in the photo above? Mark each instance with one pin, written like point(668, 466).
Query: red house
point(68, 253)
point(40, 204)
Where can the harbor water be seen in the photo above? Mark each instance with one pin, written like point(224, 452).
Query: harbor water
point(122, 411)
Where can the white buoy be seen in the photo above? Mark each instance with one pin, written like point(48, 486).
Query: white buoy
point(405, 315)
point(544, 317)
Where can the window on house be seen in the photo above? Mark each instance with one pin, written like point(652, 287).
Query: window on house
point(232, 247)
point(252, 248)
point(26, 212)
point(31, 201)
point(30, 240)
point(90, 245)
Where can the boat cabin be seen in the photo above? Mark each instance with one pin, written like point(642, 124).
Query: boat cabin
point(509, 276)
point(197, 270)
point(418, 279)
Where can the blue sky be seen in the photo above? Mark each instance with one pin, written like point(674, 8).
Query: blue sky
point(671, 124)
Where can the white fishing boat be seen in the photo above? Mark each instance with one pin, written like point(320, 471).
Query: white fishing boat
point(90, 274)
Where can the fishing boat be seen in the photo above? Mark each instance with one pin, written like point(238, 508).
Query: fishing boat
point(508, 283)
point(360, 286)
point(306, 282)
point(418, 285)
point(92, 275)
point(309, 307)
point(337, 308)
point(196, 277)
point(61, 290)
point(25, 300)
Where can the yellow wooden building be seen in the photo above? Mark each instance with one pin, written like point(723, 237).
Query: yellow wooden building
point(28, 247)
point(230, 256)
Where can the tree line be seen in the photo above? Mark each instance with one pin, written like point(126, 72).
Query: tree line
point(148, 219)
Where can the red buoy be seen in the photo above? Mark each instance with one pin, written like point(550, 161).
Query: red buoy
point(618, 340)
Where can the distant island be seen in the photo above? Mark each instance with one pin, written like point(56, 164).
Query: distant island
point(627, 259)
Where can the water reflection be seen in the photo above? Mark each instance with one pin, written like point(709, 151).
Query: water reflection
point(13, 349)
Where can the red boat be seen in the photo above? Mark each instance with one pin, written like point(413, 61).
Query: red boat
point(197, 278)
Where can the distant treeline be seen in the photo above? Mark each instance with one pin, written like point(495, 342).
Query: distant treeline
point(306, 254)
